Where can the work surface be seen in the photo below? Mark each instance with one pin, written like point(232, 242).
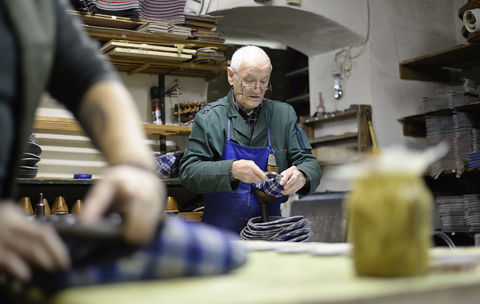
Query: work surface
point(273, 277)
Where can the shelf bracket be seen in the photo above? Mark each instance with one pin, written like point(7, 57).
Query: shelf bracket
point(138, 69)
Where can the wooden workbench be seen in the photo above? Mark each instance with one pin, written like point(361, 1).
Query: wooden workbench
point(272, 277)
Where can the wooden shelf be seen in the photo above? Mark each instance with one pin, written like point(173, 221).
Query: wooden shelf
point(108, 21)
point(333, 138)
point(301, 98)
point(329, 117)
point(415, 125)
point(431, 67)
point(107, 33)
point(364, 141)
point(72, 181)
point(105, 28)
point(70, 124)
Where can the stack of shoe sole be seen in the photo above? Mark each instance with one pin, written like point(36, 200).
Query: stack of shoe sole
point(31, 157)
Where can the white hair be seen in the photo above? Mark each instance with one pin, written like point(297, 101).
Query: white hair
point(239, 56)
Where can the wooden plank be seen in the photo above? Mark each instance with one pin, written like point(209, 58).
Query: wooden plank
point(330, 117)
point(126, 44)
point(414, 128)
point(429, 67)
point(106, 34)
point(162, 56)
point(364, 137)
point(70, 124)
point(107, 20)
point(333, 138)
point(423, 73)
point(72, 181)
point(138, 69)
point(167, 64)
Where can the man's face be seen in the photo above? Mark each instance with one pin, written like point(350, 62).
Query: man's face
point(250, 83)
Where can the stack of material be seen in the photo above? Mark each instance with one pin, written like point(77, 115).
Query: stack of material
point(166, 11)
point(164, 29)
point(460, 95)
point(121, 8)
point(207, 35)
point(289, 229)
point(464, 124)
point(208, 56)
point(440, 128)
point(452, 213)
point(472, 211)
point(434, 103)
point(202, 21)
point(28, 168)
point(126, 49)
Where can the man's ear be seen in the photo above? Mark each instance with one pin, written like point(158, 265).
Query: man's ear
point(230, 73)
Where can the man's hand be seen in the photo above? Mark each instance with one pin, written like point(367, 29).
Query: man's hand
point(24, 243)
point(141, 194)
point(292, 181)
point(248, 172)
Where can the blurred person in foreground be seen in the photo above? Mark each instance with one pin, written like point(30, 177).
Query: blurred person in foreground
point(43, 50)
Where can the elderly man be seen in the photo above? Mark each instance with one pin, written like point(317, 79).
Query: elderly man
point(235, 137)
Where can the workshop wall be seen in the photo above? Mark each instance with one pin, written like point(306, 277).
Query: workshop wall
point(399, 30)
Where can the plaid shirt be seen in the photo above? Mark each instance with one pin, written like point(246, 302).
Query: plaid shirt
point(180, 249)
point(167, 166)
point(250, 119)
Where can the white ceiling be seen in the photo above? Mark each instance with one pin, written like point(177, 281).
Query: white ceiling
point(309, 33)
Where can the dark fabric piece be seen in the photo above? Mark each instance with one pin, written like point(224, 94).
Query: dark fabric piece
point(8, 91)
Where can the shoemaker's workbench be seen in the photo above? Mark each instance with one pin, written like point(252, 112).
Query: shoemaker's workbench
point(273, 277)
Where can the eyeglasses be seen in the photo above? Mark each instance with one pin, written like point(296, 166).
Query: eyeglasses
point(249, 88)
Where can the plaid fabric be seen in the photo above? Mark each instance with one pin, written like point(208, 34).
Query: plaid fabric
point(168, 166)
point(250, 120)
point(271, 187)
point(180, 249)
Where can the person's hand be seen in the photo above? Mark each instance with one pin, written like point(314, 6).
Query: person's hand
point(141, 194)
point(248, 172)
point(25, 243)
point(292, 180)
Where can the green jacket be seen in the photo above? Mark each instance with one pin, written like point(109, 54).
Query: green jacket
point(54, 56)
point(203, 171)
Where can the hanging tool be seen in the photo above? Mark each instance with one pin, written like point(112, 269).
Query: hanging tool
point(320, 105)
point(372, 135)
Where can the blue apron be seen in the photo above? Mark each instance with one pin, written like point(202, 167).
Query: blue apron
point(232, 210)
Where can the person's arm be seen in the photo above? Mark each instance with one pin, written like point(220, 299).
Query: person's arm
point(110, 118)
point(303, 176)
point(90, 89)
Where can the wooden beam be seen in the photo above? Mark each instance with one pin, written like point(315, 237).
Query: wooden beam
point(70, 124)
point(138, 69)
